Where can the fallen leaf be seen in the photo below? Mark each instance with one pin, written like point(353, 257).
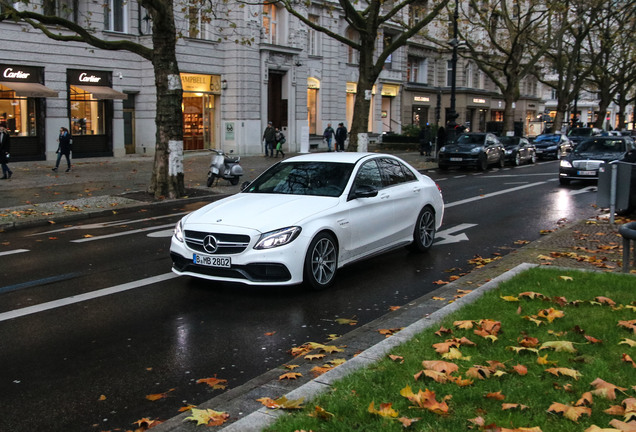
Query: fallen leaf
point(215, 382)
point(157, 396)
point(290, 375)
point(281, 403)
point(384, 411)
point(569, 412)
point(208, 417)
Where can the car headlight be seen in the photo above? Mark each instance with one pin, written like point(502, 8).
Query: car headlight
point(565, 164)
point(277, 238)
point(476, 150)
point(178, 231)
point(508, 152)
point(443, 149)
point(552, 148)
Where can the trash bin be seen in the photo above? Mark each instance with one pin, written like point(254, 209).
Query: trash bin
point(617, 186)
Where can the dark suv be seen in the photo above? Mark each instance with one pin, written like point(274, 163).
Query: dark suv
point(474, 149)
point(579, 134)
point(586, 158)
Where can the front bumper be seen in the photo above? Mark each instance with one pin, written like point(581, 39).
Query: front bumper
point(458, 159)
point(281, 265)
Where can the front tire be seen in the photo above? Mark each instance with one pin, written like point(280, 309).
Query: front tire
point(517, 160)
point(234, 181)
point(424, 232)
point(321, 262)
point(210, 179)
point(482, 163)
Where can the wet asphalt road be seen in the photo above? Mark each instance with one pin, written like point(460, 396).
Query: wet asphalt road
point(89, 365)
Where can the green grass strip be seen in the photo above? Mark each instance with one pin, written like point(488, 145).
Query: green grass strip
point(571, 292)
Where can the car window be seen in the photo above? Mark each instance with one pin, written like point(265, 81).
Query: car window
point(393, 172)
point(470, 139)
point(369, 175)
point(601, 146)
point(303, 178)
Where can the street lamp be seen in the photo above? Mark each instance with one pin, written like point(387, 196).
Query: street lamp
point(452, 115)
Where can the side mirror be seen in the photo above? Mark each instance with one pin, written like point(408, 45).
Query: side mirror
point(364, 191)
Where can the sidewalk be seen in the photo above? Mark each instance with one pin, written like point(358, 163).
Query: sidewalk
point(36, 195)
point(97, 186)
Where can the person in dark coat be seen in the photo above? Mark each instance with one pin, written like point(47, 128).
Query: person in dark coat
point(5, 148)
point(64, 148)
point(425, 140)
point(341, 136)
point(269, 135)
point(441, 137)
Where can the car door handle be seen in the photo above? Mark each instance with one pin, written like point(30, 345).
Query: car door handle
point(417, 189)
point(385, 196)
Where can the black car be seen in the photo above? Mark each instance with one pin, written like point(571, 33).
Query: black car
point(553, 146)
point(586, 158)
point(579, 134)
point(518, 150)
point(474, 149)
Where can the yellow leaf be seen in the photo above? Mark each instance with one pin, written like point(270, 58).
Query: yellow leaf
point(315, 356)
point(347, 321)
point(509, 298)
point(102, 398)
point(559, 346)
point(566, 278)
point(569, 412)
point(157, 396)
point(573, 373)
point(281, 403)
point(208, 417)
point(630, 342)
point(290, 375)
point(384, 411)
point(321, 413)
point(215, 383)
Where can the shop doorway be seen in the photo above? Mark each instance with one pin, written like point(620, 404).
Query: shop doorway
point(198, 121)
point(276, 104)
point(129, 123)
point(420, 116)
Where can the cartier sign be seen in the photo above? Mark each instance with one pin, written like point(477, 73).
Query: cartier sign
point(89, 77)
point(20, 73)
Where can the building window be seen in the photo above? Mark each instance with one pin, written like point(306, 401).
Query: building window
point(482, 80)
point(198, 22)
point(388, 62)
point(470, 79)
point(67, 9)
point(417, 70)
point(449, 73)
point(353, 55)
point(87, 114)
point(313, 37)
point(116, 16)
point(270, 23)
point(417, 12)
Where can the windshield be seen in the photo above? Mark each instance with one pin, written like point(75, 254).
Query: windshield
point(469, 139)
point(547, 138)
point(509, 141)
point(600, 146)
point(303, 178)
point(581, 132)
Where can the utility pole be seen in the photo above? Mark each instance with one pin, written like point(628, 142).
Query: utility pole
point(452, 115)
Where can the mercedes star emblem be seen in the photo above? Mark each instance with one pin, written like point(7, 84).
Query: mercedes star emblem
point(209, 244)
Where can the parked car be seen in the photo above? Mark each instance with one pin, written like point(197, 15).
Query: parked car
point(553, 146)
point(474, 149)
point(518, 150)
point(578, 134)
point(306, 217)
point(586, 158)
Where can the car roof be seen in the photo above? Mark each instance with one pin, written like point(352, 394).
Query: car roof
point(342, 157)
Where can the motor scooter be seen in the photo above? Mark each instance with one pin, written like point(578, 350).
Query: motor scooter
point(225, 167)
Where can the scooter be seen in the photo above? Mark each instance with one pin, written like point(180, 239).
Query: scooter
point(224, 167)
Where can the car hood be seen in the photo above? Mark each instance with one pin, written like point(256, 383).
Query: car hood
point(461, 147)
point(543, 144)
point(261, 212)
point(608, 157)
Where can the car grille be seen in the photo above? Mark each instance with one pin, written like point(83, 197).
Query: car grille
point(227, 244)
point(587, 165)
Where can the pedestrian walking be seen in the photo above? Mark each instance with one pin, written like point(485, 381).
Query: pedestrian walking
point(5, 148)
point(280, 140)
point(425, 139)
point(328, 135)
point(64, 148)
point(341, 136)
point(269, 136)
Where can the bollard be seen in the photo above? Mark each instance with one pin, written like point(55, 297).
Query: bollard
point(628, 231)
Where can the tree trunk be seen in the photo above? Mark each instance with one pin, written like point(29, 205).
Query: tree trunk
point(366, 78)
point(168, 174)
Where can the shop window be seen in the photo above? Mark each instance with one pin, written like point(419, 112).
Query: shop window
point(116, 16)
point(313, 37)
point(449, 73)
point(388, 62)
point(417, 12)
point(87, 114)
point(17, 114)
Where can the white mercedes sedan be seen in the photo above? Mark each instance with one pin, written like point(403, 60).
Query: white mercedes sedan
point(307, 216)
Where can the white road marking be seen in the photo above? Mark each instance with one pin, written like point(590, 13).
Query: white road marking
point(501, 192)
point(123, 233)
point(83, 297)
point(15, 251)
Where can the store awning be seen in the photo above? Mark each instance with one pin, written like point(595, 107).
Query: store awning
point(29, 89)
point(101, 92)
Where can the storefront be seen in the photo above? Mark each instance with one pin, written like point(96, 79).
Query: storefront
point(201, 94)
point(476, 113)
point(352, 90)
point(313, 87)
point(90, 108)
point(22, 109)
point(389, 93)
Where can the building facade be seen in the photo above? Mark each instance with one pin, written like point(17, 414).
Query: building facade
point(270, 67)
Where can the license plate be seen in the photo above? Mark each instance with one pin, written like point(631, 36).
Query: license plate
point(212, 261)
point(539, 151)
point(455, 159)
point(586, 173)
